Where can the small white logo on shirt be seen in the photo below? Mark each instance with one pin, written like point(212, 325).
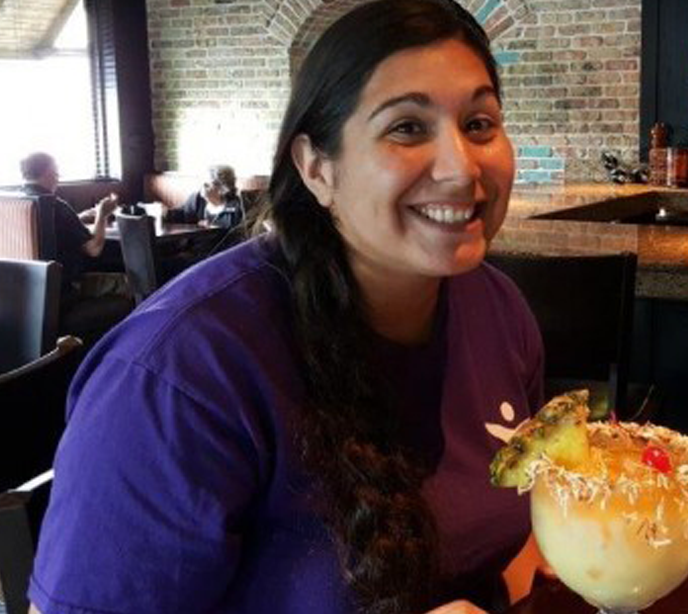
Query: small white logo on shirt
point(501, 432)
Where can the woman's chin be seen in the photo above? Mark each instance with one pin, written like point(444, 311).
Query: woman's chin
point(468, 256)
point(461, 260)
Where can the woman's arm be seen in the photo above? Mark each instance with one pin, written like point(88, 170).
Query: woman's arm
point(520, 573)
point(455, 607)
point(140, 463)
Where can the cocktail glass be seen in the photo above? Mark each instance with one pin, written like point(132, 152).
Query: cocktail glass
point(616, 530)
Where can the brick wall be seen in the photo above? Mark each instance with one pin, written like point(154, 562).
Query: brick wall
point(219, 80)
point(571, 72)
point(220, 74)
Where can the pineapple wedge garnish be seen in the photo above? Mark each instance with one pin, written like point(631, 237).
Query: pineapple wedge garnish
point(558, 430)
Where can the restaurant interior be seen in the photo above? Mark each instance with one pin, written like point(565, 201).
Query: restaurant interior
point(139, 98)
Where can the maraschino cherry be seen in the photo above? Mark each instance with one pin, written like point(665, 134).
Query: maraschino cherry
point(657, 458)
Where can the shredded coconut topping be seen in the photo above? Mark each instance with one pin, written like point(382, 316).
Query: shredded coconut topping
point(616, 476)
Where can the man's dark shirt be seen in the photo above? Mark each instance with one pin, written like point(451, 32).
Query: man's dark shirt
point(70, 236)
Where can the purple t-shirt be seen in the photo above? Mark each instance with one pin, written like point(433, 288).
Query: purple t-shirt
point(178, 484)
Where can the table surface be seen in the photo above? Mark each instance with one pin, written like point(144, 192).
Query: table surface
point(176, 231)
point(554, 598)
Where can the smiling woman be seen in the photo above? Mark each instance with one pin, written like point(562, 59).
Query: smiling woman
point(308, 418)
point(438, 176)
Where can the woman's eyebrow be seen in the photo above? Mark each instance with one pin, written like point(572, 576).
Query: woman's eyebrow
point(418, 98)
point(423, 100)
point(483, 91)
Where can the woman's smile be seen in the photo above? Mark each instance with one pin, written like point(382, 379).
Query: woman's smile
point(447, 214)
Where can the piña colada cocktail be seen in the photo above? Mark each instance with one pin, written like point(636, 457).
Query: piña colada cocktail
point(610, 514)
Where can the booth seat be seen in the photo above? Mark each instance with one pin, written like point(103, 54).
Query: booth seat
point(170, 188)
point(84, 194)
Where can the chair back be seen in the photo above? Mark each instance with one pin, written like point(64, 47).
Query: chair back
point(137, 238)
point(33, 420)
point(33, 411)
point(29, 310)
point(17, 550)
point(27, 226)
point(584, 307)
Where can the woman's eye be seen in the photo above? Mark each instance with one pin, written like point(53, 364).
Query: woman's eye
point(408, 129)
point(481, 126)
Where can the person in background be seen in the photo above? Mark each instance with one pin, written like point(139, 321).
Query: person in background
point(217, 203)
point(74, 241)
point(304, 423)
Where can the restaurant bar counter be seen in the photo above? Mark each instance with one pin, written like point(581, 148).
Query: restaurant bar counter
point(660, 323)
point(662, 249)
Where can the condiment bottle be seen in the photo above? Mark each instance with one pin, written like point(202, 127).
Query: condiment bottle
point(657, 155)
point(676, 167)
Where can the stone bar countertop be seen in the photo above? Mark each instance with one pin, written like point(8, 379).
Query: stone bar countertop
point(662, 249)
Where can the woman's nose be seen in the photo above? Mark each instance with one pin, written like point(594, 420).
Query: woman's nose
point(455, 159)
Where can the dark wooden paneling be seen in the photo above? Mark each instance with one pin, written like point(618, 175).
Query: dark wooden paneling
point(648, 73)
point(133, 81)
point(664, 81)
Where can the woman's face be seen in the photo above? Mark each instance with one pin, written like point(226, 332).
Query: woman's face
point(423, 178)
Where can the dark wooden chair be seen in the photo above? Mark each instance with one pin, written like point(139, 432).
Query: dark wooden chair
point(141, 260)
point(584, 307)
point(33, 420)
point(150, 263)
point(19, 511)
point(33, 400)
point(29, 310)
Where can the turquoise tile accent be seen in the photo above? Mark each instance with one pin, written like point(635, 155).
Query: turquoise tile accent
point(555, 164)
point(486, 10)
point(535, 176)
point(530, 151)
point(507, 57)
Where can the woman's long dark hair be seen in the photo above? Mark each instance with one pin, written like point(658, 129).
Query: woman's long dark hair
point(385, 534)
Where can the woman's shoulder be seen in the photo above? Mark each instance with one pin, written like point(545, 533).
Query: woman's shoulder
point(231, 296)
point(217, 339)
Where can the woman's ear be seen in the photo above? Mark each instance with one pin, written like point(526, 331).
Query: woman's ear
point(315, 168)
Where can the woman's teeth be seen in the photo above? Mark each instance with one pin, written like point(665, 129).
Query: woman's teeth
point(446, 214)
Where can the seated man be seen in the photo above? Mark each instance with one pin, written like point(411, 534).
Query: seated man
point(75, 243)
point(216, 203)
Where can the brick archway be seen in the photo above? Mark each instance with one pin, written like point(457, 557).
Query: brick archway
point(297, 23)
point(300, 21)
point(498, 16)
